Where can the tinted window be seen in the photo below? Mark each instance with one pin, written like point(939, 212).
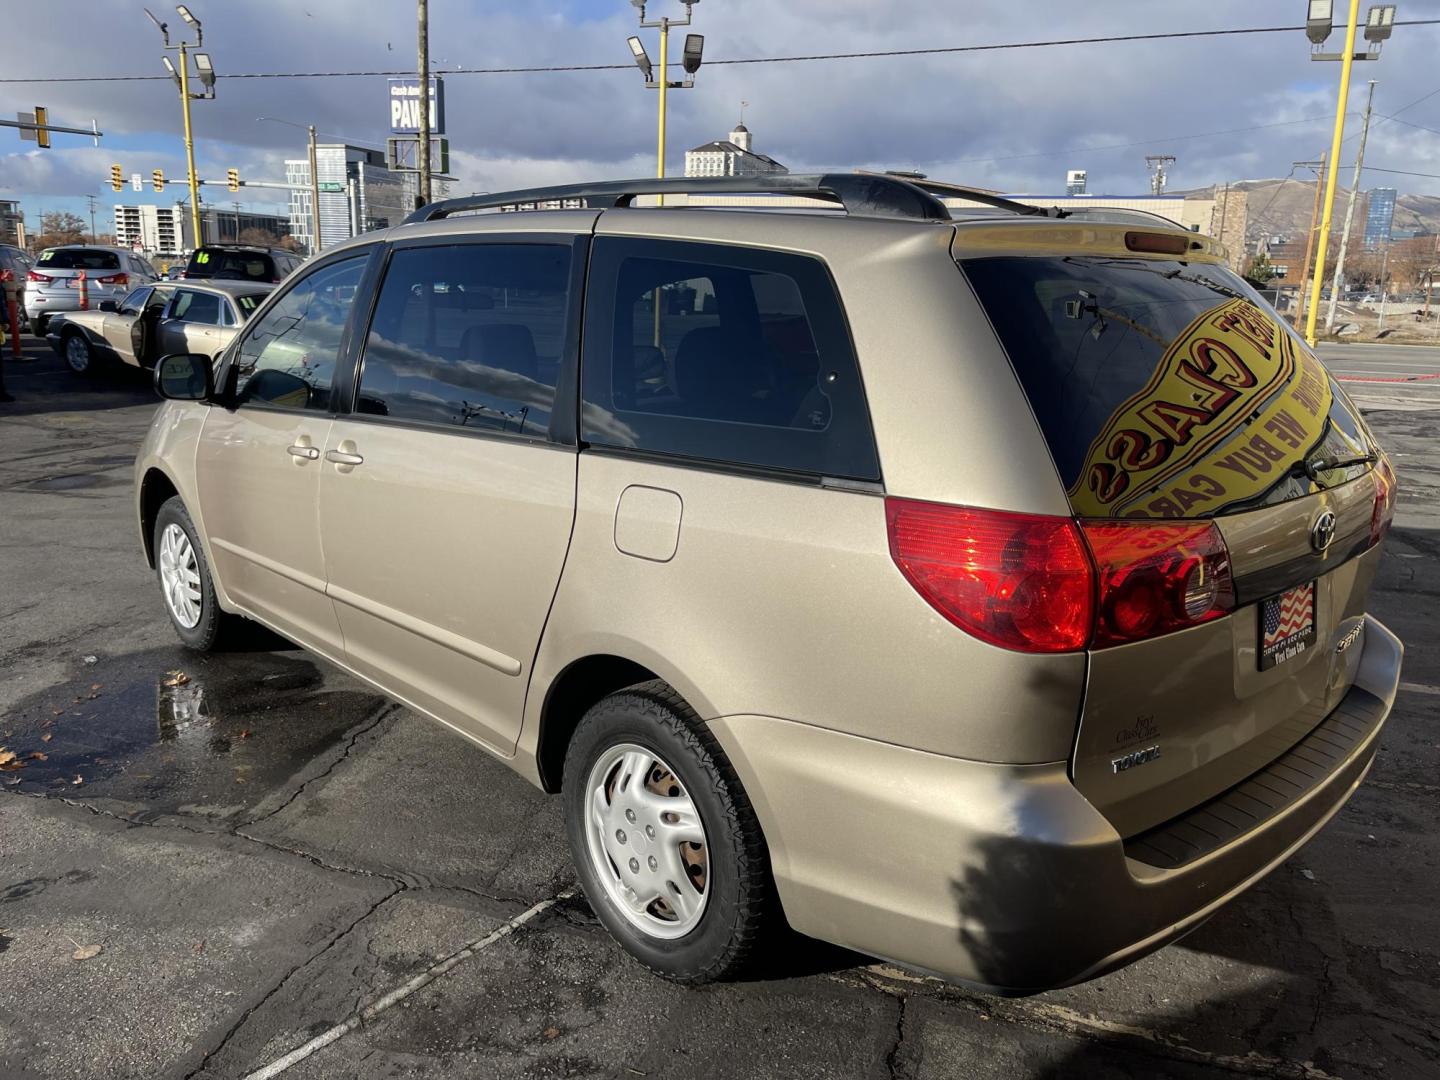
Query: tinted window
point(248, 302)
point(79, 259)
point(469, 335)
point(196, 307)
point(135, 302)
point(288, 359)
point(1164, 389)
point(226, 265)
point(726, 354)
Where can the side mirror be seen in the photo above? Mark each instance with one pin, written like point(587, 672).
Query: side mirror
point(185, 377)
point(109, 305)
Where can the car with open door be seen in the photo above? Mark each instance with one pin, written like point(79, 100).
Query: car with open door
point(155, 320)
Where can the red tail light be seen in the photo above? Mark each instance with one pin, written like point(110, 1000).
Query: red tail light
point(1015, 580)
point(1384, 511)
point(34, 275)
point(1157, 577)
point(1049, 584)
point(7, 275)
point(114, 279)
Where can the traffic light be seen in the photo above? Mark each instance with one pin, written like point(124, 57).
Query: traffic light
point(42, 131)
point(232, 179)
point(117, 178)
point(157, 179)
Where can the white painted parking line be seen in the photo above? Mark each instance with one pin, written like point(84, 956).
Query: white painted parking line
point(1419, 688)
point(425, 978)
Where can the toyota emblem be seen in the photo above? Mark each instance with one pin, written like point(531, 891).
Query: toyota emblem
point(1323, 531)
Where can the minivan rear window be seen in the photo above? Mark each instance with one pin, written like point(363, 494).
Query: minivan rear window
point(79, 259)
point(1164, 388)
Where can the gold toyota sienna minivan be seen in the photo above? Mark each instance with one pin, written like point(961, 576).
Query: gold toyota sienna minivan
point(976, 586)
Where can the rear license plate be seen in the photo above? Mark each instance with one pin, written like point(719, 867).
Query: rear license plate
point(1287, 625)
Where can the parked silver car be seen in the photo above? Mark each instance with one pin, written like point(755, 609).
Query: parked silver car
point(155, 320)
point(53, 283)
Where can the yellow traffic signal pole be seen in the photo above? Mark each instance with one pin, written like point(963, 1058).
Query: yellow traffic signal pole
point(664, 85)
point(190, 143)
point(1332, 168)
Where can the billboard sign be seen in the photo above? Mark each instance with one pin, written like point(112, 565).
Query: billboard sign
point(405, 106)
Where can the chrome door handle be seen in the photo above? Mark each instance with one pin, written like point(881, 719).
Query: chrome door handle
point(309, 453)
point(340, 457)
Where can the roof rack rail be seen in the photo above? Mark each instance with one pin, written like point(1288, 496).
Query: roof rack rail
point(1126, 213)
point(987, 198)
point(860, 194)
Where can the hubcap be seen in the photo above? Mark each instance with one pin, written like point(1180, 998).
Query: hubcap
point(77, 353)
point(646, 841)
point(180, 576)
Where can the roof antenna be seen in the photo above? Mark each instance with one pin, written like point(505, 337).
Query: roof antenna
point(743, 105)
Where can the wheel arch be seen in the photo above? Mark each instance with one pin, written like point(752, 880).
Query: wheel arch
point(579, 685)
point(156, 488)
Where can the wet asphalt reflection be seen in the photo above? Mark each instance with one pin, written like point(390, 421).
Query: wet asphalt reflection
point(173, 731)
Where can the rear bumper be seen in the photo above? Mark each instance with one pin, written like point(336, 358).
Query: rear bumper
point(1004, 876)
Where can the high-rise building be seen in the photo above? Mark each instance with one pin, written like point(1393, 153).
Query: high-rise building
point(155, 230)
point(12, 223)
point(1075, 181)
point(1379, 215)
point(224, 226)
point(732, 157)
point(357, 193)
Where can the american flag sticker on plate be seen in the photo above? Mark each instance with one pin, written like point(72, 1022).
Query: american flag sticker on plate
point(1287, 625)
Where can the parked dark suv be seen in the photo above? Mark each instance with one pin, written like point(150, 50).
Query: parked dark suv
point(240, 262)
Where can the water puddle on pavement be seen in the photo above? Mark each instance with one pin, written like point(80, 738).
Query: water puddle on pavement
point(208, 735)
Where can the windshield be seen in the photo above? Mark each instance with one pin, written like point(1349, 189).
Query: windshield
point(1166, 389)
point(79, 259)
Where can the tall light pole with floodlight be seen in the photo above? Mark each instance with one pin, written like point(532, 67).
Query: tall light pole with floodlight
point(690, 59)
point(205, 71)
point(1319, 23)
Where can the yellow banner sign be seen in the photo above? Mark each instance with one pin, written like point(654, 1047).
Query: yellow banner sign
point(1231, 404)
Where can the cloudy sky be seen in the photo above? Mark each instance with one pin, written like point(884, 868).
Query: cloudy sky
point(1009, 119)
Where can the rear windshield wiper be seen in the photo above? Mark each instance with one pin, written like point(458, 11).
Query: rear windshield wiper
point(1313, 467)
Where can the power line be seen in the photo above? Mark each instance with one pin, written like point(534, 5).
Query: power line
point(876, 54)
point(1402, 172)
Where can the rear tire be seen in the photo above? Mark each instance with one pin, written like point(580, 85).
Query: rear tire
point(730, 869)
point(185, 583)
point(39, 324)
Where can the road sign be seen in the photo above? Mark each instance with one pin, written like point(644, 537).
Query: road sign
point(137, 181)
point(26, 118)
point(330, 185)
point(405, 106)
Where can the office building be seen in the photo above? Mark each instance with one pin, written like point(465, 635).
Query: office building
point(1075, 181)
point(155, 230)
point(358, 193)
point(12, 223)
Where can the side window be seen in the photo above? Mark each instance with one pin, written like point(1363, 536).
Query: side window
point(288, 358)
point(470, 335)
point(135, 303)
point(196, 307)
point(159, 298)
point(725, 354)
point(227, 314)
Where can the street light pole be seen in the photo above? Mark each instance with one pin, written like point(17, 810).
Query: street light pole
point(423, 16)
point(694, 46)
point(1332, 167)
point(190, 145)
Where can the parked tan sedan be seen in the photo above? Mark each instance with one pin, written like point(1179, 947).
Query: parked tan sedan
point(153, 321)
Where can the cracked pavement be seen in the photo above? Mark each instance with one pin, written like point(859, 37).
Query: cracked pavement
point(266, 847)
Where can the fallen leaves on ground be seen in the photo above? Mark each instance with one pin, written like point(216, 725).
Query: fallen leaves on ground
point(39, 756)
point(10, 761)
point(46, 737)
point(86, 952)
point(175, 678)
point(77, 781)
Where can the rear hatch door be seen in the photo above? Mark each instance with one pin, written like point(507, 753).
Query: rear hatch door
point(1167, 389)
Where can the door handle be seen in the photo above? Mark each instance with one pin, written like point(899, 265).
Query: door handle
point(308, 453)
point(340, 457)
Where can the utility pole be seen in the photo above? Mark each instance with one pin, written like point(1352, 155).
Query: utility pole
point(314, 194)
point(1339, 280)
point(93, 240)
point(424, 147)
point(1319, 167)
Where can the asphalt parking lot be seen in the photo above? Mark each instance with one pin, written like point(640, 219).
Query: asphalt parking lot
point(206, 864)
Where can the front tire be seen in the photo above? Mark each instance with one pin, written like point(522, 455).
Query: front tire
point(185, 582)
point(665, 841)
point(79, 356)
